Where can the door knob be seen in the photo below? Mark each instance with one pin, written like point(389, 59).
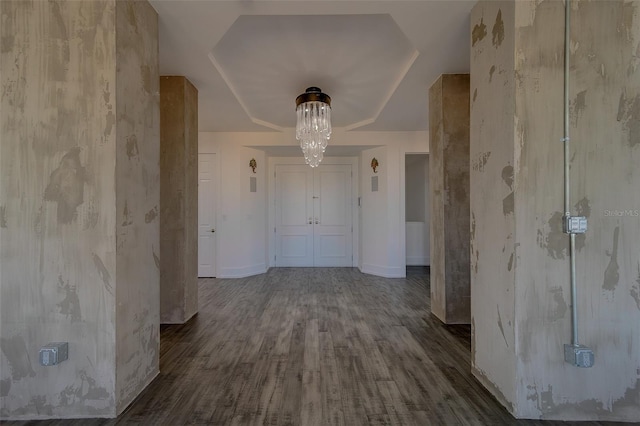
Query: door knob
point(317, 221)
point(310, 221)
point(213, 230)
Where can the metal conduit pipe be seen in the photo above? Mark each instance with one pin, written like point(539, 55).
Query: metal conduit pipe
point(574, 353)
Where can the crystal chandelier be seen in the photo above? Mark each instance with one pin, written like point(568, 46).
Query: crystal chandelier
point(313, 128)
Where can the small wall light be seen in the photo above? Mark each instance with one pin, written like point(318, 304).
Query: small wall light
point(374, 165)
point(253, 164)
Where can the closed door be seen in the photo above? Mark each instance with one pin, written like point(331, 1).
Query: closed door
point(313, 216)
point(206, 215)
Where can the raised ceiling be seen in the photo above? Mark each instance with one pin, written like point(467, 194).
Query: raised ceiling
point(250, 59)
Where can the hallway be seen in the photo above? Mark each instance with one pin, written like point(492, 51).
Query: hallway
point(321, 346)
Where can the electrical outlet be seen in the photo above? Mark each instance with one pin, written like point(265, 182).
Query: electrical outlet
point(575, 224)
point(54, 353)
point(578, 356)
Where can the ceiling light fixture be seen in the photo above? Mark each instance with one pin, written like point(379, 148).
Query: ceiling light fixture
point(313, 128)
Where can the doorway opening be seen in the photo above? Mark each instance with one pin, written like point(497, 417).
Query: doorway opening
point(417, 220)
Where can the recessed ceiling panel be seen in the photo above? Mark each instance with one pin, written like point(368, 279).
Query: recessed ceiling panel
point(358, 60)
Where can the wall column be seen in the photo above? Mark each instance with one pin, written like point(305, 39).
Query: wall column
point(521, 299)
point(79, 199)
point(449, 197)
point(178, 200)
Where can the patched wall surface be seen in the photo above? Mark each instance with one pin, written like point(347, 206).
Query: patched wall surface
point(137, 195)
point(179, 200)
point(493, 244)
point(71, 247)
point(449, 190)
point(604, 88)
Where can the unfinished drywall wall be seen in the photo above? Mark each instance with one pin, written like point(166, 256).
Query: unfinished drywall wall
point(137, 199)
point(63, 266)
point(449, 195)
point(178, 200)
point(604, 93)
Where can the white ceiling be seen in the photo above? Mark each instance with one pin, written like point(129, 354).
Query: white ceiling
point(251, 59)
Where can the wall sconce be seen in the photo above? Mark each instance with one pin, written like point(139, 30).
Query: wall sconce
point(374, 165)
point(253, 164)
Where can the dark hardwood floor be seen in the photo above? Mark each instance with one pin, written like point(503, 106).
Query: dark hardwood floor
point(323, 346)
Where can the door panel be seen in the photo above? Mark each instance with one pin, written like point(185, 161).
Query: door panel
point(332, 230)
point(313, 215)
point(294, 202)
point(206, 215)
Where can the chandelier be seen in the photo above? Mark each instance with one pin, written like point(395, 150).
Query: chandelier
point(313, 128)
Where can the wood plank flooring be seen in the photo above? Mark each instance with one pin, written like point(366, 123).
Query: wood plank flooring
point(314, 346)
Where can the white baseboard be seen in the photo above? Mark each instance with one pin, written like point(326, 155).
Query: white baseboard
point(243, 271)
point(384, 271)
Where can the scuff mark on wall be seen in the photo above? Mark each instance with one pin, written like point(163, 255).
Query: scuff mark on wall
point(560, 310)
point(491, 71)
point(85, 392)
point(102, 271)
point(479, 32)
point(555, 242)
point(151, 215)
point(110, 122)
point(546, 399)
point(475, 94)
point(91, 217)
point(611, 274)
point(481, 161)
point(501, 327)
point(577, 107)
point(507, 176)
point(70, 305)
point(15, 350)
point(66, 186)
point(126, 217)
point(629, 115)
point(5, 387)
point(132, 146)
point(508, 204)
point(635, 289)
point(156, 259)
point(510, 264)
point(498, 30)
point(3, 217)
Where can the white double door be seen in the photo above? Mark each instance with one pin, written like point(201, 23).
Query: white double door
point(313, 215)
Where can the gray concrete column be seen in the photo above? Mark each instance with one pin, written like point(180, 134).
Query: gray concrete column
point(79, 199)
point(449, 195)
point(178, 200)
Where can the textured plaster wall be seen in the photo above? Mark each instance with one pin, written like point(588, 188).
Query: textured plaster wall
point(137, 199)
point(63, 181)
point(605, 95)
point(449, 191)
point(179, 200)
point(492, 219)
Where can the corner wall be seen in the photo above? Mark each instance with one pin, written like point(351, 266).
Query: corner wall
point(449, 191)
point(69, 270)
point(178, 200)
point(605, 152)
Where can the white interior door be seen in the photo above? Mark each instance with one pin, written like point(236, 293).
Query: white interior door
point(294, 215)
point(313, 216)
point(332, 216)
point(206, 215)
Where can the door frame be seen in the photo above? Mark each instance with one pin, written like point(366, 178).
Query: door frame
point(216, 176)
point(271, 200)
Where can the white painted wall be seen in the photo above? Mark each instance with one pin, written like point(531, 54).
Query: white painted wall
point(245, 245)
point(242, 215)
